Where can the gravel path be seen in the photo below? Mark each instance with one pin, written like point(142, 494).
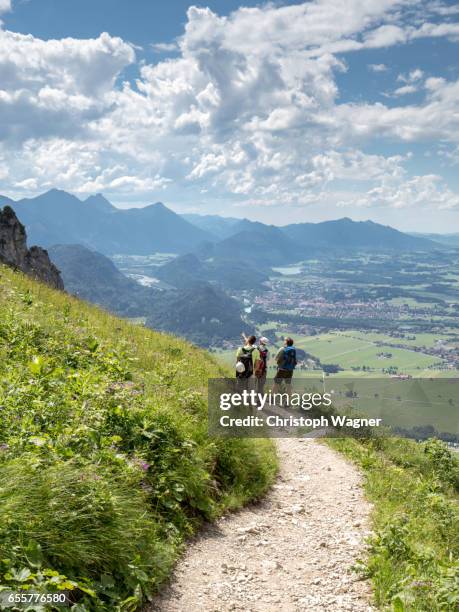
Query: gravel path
point(292, 552)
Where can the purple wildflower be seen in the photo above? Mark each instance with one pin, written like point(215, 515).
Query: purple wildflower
point(144, 465)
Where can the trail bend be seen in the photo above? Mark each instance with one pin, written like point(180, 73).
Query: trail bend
point(292, 552)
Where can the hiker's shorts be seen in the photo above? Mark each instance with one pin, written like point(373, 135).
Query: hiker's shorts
point(283, 376)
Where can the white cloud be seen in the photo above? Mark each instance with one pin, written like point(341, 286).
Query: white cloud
point(434, 30)
point(418, 192)
point(443, 9)
point(378, 67)
point(385, 36)
point(164, 47)
point(5, 6)
point(27, 184)
point(405, 89)
point(55, 86)
point(411, 77)
point(412, 83)
point(242, 112)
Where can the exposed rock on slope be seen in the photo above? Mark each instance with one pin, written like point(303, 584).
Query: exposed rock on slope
point(14, 252)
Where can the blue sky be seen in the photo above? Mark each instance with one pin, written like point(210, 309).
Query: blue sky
point(282, 112)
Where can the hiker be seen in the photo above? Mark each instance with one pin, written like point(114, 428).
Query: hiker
point(245, 357)
point(286, 363)
point(261, 364)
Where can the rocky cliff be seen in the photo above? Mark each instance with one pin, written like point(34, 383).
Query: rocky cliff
point(14, 251)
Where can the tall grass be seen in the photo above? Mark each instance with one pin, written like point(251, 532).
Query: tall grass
point(413, 556)
point(105, 462)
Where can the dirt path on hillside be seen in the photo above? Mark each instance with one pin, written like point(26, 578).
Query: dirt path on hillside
point(292, 552)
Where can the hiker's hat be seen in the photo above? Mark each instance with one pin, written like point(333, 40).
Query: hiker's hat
point(264, 340)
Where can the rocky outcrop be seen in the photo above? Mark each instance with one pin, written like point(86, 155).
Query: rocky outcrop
point(14, 252)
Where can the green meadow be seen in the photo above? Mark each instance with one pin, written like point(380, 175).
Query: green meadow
point(357, 352)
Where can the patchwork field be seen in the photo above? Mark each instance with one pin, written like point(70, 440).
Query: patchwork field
point(354, 350)
point(409, 340)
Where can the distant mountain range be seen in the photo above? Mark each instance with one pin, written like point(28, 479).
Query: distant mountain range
point(217, 257)
point(347, 234)
point(57, 217)
point(290, 243)
point(451, 240)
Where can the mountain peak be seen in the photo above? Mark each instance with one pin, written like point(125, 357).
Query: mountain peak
point(55, 196)
point(345, 233)
point(99, 201)
point(157, 206)
point(55, 191)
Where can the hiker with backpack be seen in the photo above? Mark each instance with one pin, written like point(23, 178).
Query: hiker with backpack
point(286, 363)
point(246, 358)
point(261, 365)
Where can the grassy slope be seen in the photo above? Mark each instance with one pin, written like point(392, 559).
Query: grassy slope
point(105, 462)
point(413, 554)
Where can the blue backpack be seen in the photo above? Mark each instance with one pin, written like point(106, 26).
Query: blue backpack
point(289, 358)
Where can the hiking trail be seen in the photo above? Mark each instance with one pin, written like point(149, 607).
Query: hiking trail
point(293, 551)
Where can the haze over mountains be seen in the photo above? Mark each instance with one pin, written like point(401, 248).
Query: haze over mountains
point(57, 217)
point(450, 240)
point(217, 257)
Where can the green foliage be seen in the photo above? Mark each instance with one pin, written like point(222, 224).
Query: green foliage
point(412, 557)
point(105, 461)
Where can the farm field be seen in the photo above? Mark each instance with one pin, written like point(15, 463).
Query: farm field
point(420, 340)
point(354, 349)
point(352, 352)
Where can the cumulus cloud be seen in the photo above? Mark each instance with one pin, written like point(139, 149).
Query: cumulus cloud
point(55, 86)
point(436, 118)
point(412, 83)
point(425, 191)
point(247, 113)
